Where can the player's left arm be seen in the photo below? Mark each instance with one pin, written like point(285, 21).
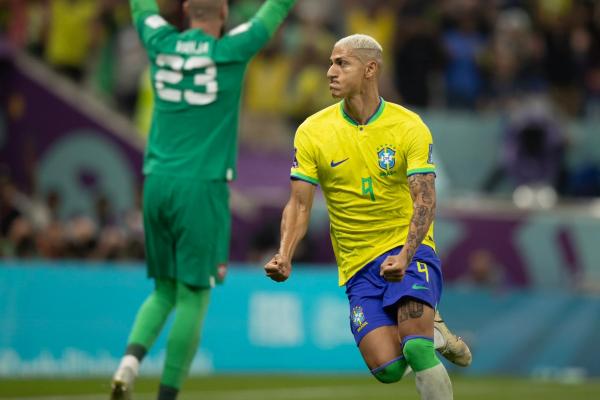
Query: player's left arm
point(421, 184)
point(422, 192)
point(141, 7)
point(245, 40)
point(148, 22)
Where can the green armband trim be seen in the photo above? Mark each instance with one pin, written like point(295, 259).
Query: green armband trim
point(420, 171)
point(273, 12)
point(306, 178)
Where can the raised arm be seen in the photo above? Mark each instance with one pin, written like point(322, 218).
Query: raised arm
point(140, 7)
point(244, 41)
point(273, 12)
point(294, 224)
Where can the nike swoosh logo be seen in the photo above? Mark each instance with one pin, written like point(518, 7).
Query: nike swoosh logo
point(419, 287)
point(335, 164)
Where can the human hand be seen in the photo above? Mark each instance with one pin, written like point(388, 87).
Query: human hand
point(393, 268)
point(278, 268)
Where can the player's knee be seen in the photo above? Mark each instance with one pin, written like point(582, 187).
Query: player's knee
point(390, 372)
point(420, 354)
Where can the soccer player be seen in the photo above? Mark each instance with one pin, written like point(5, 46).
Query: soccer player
point(190, 157)
point(373, 160)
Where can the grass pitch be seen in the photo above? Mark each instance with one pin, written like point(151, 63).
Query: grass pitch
point(300, 387)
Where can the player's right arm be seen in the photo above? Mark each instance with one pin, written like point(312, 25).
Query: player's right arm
point(294, 224)
point(296, 213)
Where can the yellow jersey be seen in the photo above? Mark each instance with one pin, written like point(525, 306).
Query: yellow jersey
point(363, 171)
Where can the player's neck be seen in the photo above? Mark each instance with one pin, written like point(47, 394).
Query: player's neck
point(212, 28)
point(361, 107)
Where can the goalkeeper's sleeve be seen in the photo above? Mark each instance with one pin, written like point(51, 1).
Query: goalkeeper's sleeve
point(273, 12)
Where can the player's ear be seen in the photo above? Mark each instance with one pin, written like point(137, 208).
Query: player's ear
point(371, 68)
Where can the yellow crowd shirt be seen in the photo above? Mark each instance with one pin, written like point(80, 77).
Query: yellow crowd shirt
point(70, 34)
point(363, 171)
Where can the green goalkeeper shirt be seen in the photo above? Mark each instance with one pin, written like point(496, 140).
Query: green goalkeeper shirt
point(197, 82)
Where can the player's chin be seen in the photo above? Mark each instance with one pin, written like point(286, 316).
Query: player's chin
point(336, 93)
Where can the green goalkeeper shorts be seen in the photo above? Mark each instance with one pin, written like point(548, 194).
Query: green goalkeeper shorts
point(187, 227)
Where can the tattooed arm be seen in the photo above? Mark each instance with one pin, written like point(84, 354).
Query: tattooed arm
point(422, 191)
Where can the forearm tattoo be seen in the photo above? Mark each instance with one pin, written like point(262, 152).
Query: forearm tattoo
point(410, 309)
point(422, 191)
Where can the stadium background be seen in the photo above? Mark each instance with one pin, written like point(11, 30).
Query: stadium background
point(511, 92)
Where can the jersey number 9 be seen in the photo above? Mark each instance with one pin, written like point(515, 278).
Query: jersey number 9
point(165, 79)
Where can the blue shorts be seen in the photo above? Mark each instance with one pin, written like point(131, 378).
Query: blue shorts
point(373, 300)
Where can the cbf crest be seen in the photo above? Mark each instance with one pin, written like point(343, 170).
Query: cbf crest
point(358, 318)
point(386, 155)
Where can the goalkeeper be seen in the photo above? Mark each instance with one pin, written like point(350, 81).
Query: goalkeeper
point(190, 157)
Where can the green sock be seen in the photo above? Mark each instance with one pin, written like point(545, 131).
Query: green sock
point(190, 309)
point(420, 354)
point(152, 315)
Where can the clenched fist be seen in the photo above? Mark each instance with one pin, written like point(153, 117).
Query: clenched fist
point(278, 268)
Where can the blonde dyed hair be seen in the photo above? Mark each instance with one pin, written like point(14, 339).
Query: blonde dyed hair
point(365, 47)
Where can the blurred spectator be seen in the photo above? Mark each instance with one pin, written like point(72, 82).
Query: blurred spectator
point(131, 62)
point(53, 201)
point(483, 271)
point(25, 23)
point(72, 30)
point(120, 59)
point(559, 58)
point(514, 68)
point(584, 180)
point(104, 212)
point(8, 208)
point(51, 242)
point(592, 61)
point(266, 80)
point(418, 53)
point(464, 45)
point(21, 237)
point(308, 90)
point(15, 203)
point(533, 149)
point(111, 244)
point(81, 237)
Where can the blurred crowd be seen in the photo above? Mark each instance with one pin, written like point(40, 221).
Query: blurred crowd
point(457, 54)
point(532, 60)
point(32, 227)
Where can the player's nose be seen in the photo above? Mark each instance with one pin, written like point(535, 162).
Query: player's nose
point(331, 72)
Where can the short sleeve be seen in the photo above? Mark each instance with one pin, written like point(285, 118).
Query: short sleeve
point(420, 151)
point(304, 166)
